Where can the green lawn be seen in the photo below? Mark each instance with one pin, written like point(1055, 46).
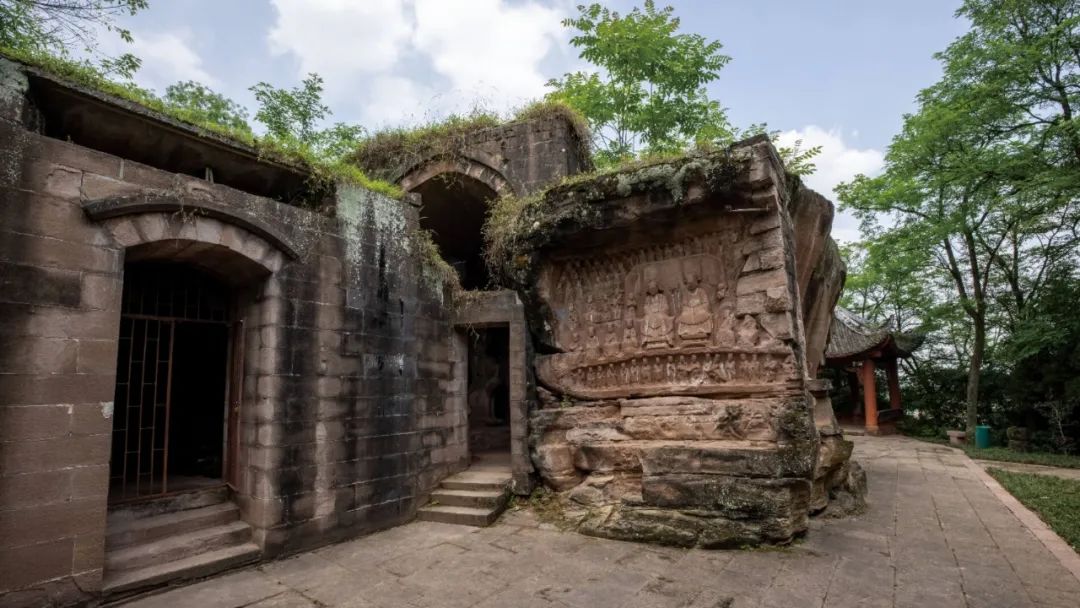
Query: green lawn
point(1006, 455)
point(1056, 500)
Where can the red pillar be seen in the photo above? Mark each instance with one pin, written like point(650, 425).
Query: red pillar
point(894, 383)
point(869, 396)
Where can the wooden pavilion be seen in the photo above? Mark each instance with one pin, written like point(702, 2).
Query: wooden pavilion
point(859, 348)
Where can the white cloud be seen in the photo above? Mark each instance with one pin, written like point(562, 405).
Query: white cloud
point(390, 100)
point(478, 44)
point(395, 60)
point(341, 39)
point(838, 162)
point(167, 57)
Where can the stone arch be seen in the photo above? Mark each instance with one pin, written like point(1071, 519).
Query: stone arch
point(236, 254)
point(246, 257)
point(189, 208)
point(477, 165)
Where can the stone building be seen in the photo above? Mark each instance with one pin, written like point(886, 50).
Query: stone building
point(210, 356)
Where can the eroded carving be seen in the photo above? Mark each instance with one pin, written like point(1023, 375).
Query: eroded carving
point(664, 318)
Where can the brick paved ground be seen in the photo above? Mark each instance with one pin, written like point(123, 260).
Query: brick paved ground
point(935, 537)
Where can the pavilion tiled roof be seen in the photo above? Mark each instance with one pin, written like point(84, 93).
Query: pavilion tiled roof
point(851, 335)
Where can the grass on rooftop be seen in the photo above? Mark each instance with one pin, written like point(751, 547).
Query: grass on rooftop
point(86, 75)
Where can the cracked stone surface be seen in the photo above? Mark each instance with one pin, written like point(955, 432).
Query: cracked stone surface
point(934, 536)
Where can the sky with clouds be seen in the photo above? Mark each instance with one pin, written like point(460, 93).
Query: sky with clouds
point(834, 73)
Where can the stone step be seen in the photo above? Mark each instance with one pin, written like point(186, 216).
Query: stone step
point(178, 547)
point(195, 499)
point(466, 516)
point(196, 566)
point(477, 499)
point(478, 480)
point(124, 532)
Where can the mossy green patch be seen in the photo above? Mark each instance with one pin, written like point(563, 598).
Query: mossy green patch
point(435, 266)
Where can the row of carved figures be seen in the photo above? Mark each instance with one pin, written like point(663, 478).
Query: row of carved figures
point(591, 271)
point(687, 370)
point(695, 325)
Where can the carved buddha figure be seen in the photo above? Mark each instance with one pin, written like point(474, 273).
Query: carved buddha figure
point(572, 326)
point(611, 342)
point(747, 333)
point(657, 326)
point(592, 343)
point(630, 335)
point(695, 320)
point(724, 334)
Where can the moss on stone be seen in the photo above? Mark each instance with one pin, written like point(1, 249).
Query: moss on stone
point(434, 267)
point(391, 153)
point(323, 175)
point(519, 227)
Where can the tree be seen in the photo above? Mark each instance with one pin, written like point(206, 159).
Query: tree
point(292, 117)
point(984, 176)
point(204, 105)
point(649, 94)
point(58, 27)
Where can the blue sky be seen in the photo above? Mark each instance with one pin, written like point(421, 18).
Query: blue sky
point(835, 73)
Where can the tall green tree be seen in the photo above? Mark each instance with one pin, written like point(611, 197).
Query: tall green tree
point(648, 94)
point(984, 176)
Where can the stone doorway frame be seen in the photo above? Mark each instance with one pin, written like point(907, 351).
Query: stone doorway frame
point(487, 309)
point(249, 252)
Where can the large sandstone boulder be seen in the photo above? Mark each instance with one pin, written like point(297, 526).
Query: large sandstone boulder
point(664, 301)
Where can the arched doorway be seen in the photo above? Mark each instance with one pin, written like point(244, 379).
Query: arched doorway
point(173, 384)
point(454, 207)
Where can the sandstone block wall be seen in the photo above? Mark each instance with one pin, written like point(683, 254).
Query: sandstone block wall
point(345, 425)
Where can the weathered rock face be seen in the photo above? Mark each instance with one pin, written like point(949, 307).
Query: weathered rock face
point(819, 268)
point(674, 401)
point(839, 482)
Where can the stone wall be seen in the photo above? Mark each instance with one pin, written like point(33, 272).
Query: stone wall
point(348, 419)
point(518, 157)
point(675, 407)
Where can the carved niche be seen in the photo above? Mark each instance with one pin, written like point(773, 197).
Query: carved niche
point(662, 319)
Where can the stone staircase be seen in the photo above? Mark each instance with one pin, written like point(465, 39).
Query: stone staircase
point(192, 535)
point(475, 497)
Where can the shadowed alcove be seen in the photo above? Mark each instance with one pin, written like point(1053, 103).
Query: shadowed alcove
point(454, 208)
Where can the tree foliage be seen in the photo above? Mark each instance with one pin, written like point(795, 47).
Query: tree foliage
point(292, 116)
point(649, 93)
point(205, 105)
point(978, 200)
point(61, 27)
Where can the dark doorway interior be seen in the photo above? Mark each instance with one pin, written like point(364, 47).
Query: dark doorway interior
point(196, 424)
point(489, 390)
point(454, 209)
point(171, 382)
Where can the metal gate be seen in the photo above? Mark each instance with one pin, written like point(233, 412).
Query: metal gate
point(156, 298)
